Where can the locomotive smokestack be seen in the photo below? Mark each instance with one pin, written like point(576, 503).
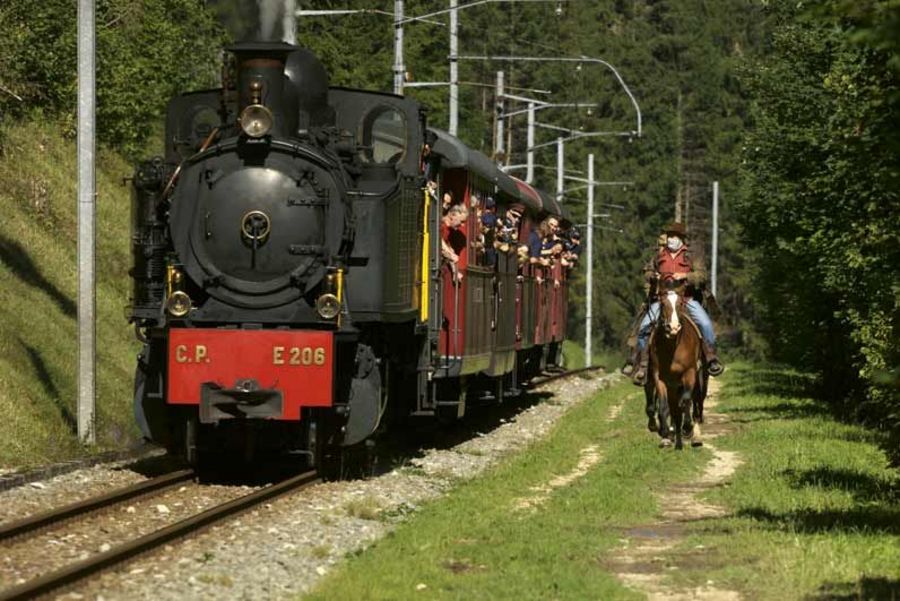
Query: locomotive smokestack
point(264, 106)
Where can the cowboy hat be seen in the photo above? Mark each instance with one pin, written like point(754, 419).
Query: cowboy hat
point(676, 228)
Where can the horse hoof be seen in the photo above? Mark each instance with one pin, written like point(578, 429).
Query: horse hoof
point(679, 446)
point(665, 443)
point(696, 443)
point(652, 425)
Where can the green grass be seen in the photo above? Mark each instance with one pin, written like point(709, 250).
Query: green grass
point(472, 544)
point(38, 292)
point(573, 356)
point(817, 509)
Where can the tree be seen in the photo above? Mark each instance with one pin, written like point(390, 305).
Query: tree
point(821, 200)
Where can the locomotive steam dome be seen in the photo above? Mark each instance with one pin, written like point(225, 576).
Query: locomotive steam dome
point(309, 81)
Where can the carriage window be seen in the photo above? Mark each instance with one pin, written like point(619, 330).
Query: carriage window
point(384, 135)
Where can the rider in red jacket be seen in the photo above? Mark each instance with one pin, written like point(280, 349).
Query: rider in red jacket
point(674, 262)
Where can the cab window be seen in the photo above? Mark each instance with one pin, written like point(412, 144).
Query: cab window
point(384, 136)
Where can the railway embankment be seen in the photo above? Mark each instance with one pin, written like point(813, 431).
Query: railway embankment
point(38, 284)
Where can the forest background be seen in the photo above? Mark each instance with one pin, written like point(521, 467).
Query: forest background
point(791, 106)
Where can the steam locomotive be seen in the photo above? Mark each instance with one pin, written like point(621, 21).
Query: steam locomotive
point(288, 286)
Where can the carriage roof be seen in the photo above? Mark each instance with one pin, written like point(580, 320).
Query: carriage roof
point(455, 154)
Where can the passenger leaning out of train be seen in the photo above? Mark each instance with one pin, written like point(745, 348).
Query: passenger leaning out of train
point(488, 221)
point(507, 235)
point(539, 262)
point(674, 262)
point(571, 247)
point(428, 164)
point(446, 202)
point(553, 250)
point(453, 239)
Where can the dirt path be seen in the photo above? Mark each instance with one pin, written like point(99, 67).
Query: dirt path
point(644, 558)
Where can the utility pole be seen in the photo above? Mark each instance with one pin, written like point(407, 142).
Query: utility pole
point(499, 142)
point(715, 238)
point(87, 184)
point(679, 157)
point(399, 67)
point(529, 173)
point(589, 271)
point(560, 168)
point(454, 68)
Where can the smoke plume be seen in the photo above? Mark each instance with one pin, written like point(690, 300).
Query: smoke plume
point(269, 11)
point(289, 22)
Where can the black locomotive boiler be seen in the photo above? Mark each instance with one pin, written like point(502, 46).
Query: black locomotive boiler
point(288, 283)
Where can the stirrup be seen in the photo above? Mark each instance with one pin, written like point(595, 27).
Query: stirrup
point(716, 371)
point(639, 378)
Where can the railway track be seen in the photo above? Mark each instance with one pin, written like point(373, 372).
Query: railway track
point(80, 570)
point(541, 380)
point(54, 517)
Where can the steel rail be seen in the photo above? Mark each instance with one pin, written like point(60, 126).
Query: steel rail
point(87, 567)
point(565, 374)
point(55, 516)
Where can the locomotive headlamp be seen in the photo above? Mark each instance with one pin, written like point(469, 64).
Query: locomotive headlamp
point(256, 120)
point(178, 304)
point(328, 306)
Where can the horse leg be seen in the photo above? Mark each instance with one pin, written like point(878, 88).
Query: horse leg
point(662, 399)
point(699, 393)
point(691, 428)
point(684, 398)
point(675, 408)
point(704, 378)
point(651, 405)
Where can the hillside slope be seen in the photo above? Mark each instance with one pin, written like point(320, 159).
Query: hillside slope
point(38, 294)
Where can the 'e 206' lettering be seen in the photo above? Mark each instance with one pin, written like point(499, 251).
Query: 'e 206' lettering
point(298, 355)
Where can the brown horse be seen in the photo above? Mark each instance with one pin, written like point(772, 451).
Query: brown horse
point(674, 359)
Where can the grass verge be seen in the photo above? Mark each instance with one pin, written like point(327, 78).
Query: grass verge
point(816, 509)
point(475, 544)
point(573, 356)
point(38, 291)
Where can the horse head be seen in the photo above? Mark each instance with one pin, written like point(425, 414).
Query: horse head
point(668, 307)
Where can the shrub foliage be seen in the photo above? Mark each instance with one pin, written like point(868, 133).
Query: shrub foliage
point(146, 51)
point(821, 200)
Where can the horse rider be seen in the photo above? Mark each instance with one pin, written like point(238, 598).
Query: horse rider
point(673, 263)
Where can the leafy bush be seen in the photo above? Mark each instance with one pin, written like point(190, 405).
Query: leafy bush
point(147, 50)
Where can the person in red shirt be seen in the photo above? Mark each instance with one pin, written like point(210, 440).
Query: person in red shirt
point(453, 239)
point(674, 262)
